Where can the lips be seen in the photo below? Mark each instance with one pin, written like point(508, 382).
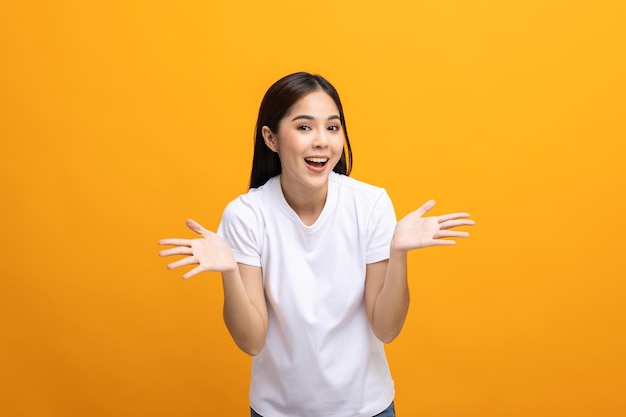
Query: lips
point(317, 162)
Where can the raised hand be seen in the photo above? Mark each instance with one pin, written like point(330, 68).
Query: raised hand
point(415, 231)
point(211, 252)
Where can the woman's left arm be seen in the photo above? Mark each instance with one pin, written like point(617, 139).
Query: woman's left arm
point(386, 284)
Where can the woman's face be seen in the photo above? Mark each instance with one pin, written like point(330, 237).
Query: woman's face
point(309, 141)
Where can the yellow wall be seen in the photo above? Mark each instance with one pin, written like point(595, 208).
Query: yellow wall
point(120, 119)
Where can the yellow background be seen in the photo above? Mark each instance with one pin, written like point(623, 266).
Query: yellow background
point(120, 119)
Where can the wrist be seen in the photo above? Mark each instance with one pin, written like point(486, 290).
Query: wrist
point(395, 249)
point(397, 252)
point(231, 270)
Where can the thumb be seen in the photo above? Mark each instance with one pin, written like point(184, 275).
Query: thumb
point(197, 227)
point(425, 208)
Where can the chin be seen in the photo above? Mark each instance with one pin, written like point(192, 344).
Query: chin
point(318, 181)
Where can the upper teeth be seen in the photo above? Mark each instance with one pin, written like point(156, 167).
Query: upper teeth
point(317, 159)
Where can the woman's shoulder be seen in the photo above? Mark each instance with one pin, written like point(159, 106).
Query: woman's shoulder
point(364, 197)
point(352, 185)
point(250, 202)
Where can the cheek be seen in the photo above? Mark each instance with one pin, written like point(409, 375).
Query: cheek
point(339, 144)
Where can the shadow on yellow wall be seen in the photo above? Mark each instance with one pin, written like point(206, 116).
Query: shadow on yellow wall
point(119, 120)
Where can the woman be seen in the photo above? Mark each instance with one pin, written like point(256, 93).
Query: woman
point(313, 262)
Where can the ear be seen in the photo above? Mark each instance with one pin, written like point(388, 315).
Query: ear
point(270, 138)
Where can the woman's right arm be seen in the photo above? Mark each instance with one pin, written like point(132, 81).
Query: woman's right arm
point(245, 311)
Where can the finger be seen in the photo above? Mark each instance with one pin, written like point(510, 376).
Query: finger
point(183, 262)
point(197, 227)
point(450, 233)
point(442, 242)
point(180, 250)
point(175, 242)
point(455, 223)
point(425, 208)
point(452, 216)
point(193, 272)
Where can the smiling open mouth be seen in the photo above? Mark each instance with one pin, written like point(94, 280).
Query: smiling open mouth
point(316, 162)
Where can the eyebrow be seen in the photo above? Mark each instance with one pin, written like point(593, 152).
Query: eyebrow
point(308, 117)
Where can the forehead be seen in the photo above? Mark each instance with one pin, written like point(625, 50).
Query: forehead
point(316, 103)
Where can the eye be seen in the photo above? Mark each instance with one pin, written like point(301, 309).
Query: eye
point(334, 128)
point(304, 127)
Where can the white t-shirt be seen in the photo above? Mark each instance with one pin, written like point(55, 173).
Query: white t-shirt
point(320, 357)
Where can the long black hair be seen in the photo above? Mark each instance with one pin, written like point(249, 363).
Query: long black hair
point(276, 103)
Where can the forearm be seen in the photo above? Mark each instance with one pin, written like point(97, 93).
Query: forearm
point(243, 320)
point(392, 303)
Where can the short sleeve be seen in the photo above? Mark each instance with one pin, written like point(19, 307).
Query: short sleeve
point(241, 227)
point(380, 228)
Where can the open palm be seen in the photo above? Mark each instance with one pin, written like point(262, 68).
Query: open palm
point(211, 252)
point(416, 231)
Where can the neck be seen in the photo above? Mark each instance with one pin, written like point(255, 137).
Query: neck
point(307, 203)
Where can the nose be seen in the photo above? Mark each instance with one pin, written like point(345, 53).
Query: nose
point(320, 141)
